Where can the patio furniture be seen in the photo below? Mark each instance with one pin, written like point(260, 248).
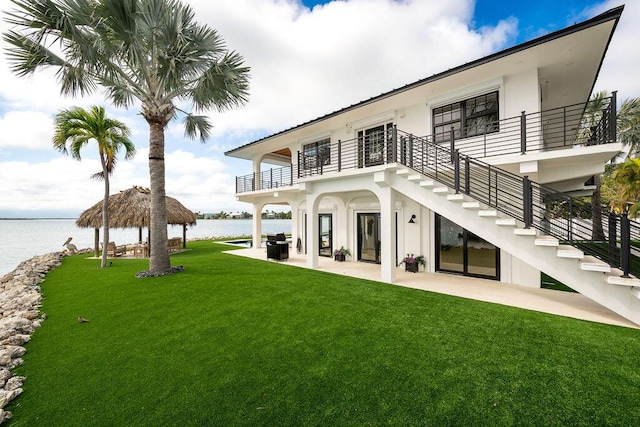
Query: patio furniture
point(277, 246)
point(175, 244)
point(141, 251)
point(115, 251)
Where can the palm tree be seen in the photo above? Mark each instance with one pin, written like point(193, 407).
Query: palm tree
point(77, 127)
point(628, 132)
point(592, 116)
point(147, 51)
point(627, 176)
point(629, 125)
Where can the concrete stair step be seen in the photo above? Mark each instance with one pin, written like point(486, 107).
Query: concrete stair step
point(414, 177)
point(615, 278)
point(471, 205)
point(427, 183)
point(488, 213)
point(455, 197)
point(525, 231)
point(506, 221)
point(403, 172)
point(546, 241)
point(567, 251)
point(590, 263)
point(441, 190)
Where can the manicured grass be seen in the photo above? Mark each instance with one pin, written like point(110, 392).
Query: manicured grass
point(234, 341)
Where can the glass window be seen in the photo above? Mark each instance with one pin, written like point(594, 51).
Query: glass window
point(471, 117)
point(316, 154)
point(375, 145)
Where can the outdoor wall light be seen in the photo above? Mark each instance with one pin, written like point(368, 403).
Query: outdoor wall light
point(412, 220)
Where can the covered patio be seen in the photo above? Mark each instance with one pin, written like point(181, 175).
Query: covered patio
point(549, 301)
point(132, 209)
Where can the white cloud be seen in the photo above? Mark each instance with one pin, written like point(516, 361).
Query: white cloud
point(65, 183)
point(308, 63)
point(26, 129)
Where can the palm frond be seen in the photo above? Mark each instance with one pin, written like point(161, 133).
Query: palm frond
point(27, 55)
point(195, 126)
point(225, 85)
point(151, 50)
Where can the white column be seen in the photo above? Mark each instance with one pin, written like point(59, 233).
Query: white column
point(256, 174)
point(295, 232)
point(387, 197)
point(257, 225)
point(313, 231)
point(341, 238)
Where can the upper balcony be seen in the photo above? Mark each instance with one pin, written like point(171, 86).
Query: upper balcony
point(551, 136)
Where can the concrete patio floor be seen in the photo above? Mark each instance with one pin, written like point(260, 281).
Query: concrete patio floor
point(543, 300)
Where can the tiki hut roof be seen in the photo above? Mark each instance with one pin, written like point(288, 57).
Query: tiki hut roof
point(132, 209)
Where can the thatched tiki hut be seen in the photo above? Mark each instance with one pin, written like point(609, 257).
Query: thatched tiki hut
point(132, 209)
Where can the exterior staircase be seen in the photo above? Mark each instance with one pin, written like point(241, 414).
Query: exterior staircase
point(586, 274)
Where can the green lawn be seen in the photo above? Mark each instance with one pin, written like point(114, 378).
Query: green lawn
point(234, 341)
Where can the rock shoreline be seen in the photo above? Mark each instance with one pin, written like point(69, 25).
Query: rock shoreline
point(20, 302)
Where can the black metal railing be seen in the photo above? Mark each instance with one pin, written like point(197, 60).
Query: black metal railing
point(266, 180)
point(547, 130)
point(610, 237)
point(542, 131)
point(554, 129)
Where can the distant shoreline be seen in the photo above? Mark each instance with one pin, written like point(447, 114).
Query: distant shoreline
point(63, 217)
point(31, 219)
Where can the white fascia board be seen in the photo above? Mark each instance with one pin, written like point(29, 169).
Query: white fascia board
point(467, 92)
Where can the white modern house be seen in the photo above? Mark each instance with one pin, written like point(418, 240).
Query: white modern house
point(475, 168)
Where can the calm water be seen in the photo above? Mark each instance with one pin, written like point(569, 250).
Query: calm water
point(23, 239)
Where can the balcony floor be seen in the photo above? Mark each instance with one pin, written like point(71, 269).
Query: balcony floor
point(543, 300)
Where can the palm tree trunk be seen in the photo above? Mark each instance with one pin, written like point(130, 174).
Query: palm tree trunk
point(596, 211)
point(105, 212)
point(159, 260)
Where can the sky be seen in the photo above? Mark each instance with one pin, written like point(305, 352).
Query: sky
point(307, 58)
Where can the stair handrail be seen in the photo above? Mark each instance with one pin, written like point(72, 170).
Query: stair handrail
point(522, 199)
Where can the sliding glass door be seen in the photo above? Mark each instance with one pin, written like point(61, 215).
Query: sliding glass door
point(369, 237)
point(451, 246)
point(326, 235)
point(461, 251)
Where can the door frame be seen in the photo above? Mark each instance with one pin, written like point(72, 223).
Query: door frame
point(360, 232)
point(326, 252)
point(465, 252)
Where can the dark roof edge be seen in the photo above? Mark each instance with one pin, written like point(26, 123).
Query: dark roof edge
point(611, 14)
point(606, 48)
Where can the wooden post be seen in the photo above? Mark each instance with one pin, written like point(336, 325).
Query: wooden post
point(96, 242)
point(184, 236)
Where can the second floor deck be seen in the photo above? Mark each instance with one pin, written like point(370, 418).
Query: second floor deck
point(566, 128)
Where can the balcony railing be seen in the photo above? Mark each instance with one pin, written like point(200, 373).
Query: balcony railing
point(580, 124)
point(534, 205)
point(574, 125)
point(267, 180)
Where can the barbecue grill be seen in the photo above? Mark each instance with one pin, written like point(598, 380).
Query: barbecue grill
point(277, 246)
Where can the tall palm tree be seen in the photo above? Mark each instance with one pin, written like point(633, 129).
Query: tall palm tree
point(629, 126)
point(628, 132)
point(627, 176)
point(147, 51)
point(77, 127)
point(592, 116)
